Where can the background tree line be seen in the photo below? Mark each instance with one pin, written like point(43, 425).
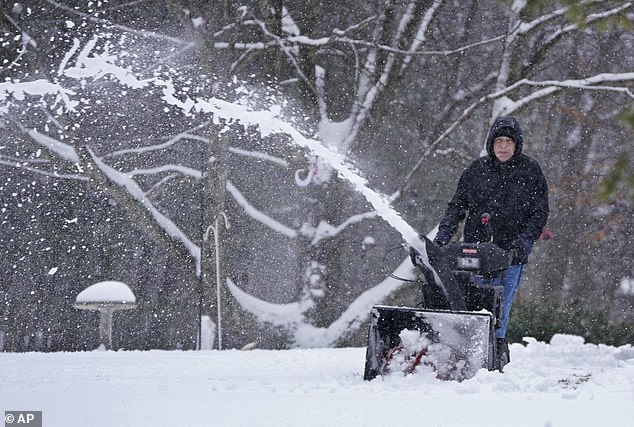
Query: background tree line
point(106, 180)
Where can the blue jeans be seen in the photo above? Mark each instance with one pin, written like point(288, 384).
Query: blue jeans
point(511, 283)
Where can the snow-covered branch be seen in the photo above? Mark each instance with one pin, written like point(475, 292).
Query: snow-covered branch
point(590, 83)
point(65, 151)
point(527, 27)
point(325, 230)
point(25, 166)
point(124, 180)
point(461, 49)
point(259, 156)
point(187, 135)
point(561, 31)
point(285, 315)
point(597, 82)
point(183, 170)
point(258, 215)
point(160, 183)
point(590, 19)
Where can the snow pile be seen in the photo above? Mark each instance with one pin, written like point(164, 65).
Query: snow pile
point(569, 364)
point(412, 356)
point(626, 286)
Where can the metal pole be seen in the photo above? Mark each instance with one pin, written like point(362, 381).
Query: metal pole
point(199, 267)
point(216, 230)
point(216, 242)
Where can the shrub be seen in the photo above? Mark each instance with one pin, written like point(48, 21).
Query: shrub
point(541, 320)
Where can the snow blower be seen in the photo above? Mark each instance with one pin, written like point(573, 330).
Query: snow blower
point(452, 330)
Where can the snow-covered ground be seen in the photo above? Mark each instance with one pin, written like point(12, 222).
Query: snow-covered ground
point(557, 384)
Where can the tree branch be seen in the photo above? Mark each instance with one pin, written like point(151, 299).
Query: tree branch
point(550, 87)
point(144, 33)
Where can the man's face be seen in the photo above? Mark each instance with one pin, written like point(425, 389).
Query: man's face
point(503, 148)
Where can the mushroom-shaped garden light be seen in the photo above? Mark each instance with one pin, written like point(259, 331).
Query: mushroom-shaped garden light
point(106, 297)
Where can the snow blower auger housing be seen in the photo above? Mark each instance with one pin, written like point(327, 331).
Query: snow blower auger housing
point(452, 331)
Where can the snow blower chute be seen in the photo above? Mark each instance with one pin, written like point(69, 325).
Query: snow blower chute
point(452, 331)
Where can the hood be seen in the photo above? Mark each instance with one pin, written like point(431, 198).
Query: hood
point(505, 126)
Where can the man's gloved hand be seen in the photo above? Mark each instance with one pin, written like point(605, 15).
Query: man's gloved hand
point(412, 256)
point(442, 238)
point(521, 248)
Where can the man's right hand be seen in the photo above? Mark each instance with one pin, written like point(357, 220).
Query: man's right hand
point(439, 242)
point(412, 256)
point(442, 238)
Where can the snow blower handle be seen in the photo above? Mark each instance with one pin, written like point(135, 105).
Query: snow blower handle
point(486, 221)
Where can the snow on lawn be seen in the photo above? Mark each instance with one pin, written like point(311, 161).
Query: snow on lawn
point(562, 383)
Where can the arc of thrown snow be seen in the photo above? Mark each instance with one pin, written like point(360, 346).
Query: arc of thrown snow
point(269, 123)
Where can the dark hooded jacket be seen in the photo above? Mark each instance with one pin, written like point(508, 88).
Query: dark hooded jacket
point(514, 193)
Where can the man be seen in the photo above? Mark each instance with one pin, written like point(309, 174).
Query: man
point(511, 188)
